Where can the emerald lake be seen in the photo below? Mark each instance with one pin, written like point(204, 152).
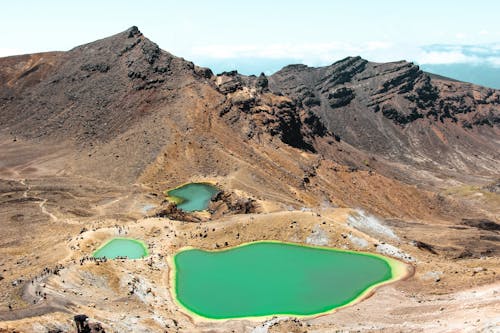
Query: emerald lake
point(270, 278)
point(193, 196)
point(122, 247)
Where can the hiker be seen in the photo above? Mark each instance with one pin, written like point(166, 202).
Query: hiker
point(81, 322)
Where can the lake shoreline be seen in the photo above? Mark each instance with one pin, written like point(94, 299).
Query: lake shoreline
point(400, 271)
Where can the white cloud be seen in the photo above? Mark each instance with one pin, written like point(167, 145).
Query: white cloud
point(437, 57)
point(480, 50)
point(319, 54)
point(453, 54)
point(495, 61)
point(305, 51)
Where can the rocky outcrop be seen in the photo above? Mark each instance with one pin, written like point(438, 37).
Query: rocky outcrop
point(101, 67)
point(310, 91)
point(169, 210)
point(482, 224)
point(230, 203)
point(262, 82)
point(249, 103)
point(340, 97)
point(83, 325)
point(229, 82)
point(395, 110)
point(401, 83)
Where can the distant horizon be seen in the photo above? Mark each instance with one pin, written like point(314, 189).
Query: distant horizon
point(264, 36)
point(476, 73)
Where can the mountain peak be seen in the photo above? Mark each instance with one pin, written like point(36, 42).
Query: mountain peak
point(133, 31)
point(78, 93)
point(348, 60)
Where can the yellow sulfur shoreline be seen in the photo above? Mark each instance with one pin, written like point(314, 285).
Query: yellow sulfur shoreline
point(399, 271)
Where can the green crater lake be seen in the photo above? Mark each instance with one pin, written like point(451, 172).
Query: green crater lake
point(270, 278)
point(193, 197)
point(122, 247)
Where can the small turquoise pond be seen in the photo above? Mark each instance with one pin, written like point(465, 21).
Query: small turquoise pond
point(122, 247)
point(193, 196)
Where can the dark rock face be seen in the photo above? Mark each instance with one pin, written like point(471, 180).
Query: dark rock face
point(262, 82)
point(229, 203)
point(340, 97)
point(482, 224)
point(170, 210)
point(391, 112)
point(424, 246)
point(204, 72)
point(403, 80)
point(151, 51)
point(249, 103)
point(133, 32)
point(102, 67)
point(376, 85)
point(396, 110)
point(229, 82)
point(83, 325)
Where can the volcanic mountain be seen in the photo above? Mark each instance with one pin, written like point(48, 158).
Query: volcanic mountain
point(119, 92)
point(400, 112)
point(93, 135)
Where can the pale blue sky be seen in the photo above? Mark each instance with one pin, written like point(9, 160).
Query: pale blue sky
point(261, 35)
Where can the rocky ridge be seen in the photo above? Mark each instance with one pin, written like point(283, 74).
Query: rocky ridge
point(397, 111)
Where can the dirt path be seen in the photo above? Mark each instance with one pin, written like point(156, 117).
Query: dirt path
point(44, 210)
point(41, 204)
point(25, 193)
point(34, 311)
point(43, 303)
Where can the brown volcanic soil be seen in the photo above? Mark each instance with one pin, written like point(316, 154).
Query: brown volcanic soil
point(90, 138)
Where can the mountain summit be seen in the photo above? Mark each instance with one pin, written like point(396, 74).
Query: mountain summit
point(98, 94)
point(397, 110)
